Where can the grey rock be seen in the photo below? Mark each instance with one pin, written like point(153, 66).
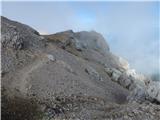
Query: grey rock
point(91, 71)
point(51, 57)
point(141, 93)
point(77, 44)
point(17, 36)
point(82, 97)
point(115, 74)
point(140, 88)
point(138, 94)
point(125, 81)
point(12, 39)
point(153, 90)
point(80, 40)
point(108, 71)
point(120, 77)
point(93, 40)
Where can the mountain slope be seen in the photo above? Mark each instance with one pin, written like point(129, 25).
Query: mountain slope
point(66, 73)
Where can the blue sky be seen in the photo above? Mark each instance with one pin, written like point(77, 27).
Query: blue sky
point(130, 28)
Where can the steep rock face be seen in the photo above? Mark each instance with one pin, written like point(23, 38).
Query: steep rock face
point(71, 75)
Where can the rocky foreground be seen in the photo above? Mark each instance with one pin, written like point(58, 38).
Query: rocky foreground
point(70, 76)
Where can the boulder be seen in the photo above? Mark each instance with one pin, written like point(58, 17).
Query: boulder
point(115, 74)
point(125, 81)
point(108, 71)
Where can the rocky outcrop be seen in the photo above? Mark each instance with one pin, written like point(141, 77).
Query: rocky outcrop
point(125, 81)
point(153, 89)
point(12, 38)
point(19, 44)
point(17, 36)
point(93, 40)
point(141, 87)
point(149, 92)
point(80, 40)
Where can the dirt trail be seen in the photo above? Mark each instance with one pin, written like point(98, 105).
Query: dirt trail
point(23, 74)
